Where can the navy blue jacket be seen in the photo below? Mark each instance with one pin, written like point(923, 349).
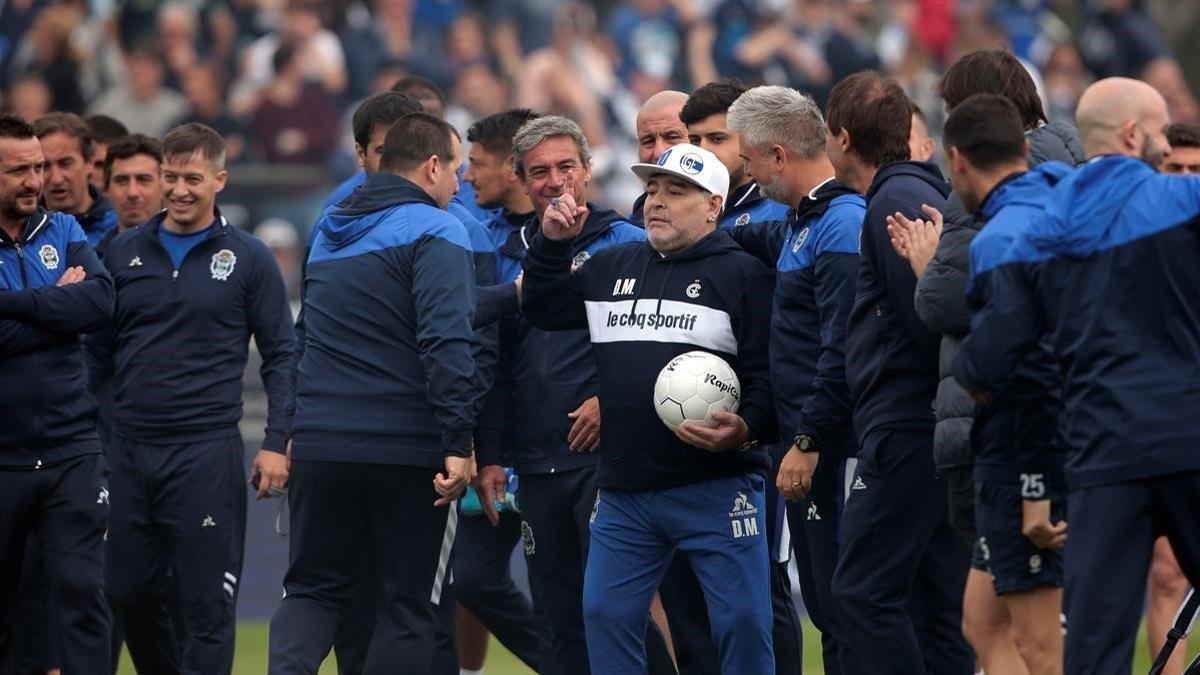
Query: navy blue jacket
point(642, 310)
point(1109, 274)
point(48, 414)
point(543, 376)
point(1015, 432)
point(99, 220)
point(815, 255)
point(387, 372)
point(891, 357)
point(175, 352)
point(747, 204)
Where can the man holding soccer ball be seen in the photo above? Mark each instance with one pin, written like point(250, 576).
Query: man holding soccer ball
point(700, 488)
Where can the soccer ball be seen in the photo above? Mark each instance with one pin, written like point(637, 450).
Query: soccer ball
point(693, 386)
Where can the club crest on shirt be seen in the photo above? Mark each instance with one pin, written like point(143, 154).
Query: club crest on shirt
point(693, 289)
point(223, 262)
point(580, 258)
point(743, 219)
point(49, 256)
point(800, 239)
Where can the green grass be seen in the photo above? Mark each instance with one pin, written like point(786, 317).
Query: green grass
point(251, 656)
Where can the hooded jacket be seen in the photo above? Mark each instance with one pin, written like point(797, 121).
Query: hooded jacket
point(387, 374)
point(1015, 433)
point(1108, 274)
point(815, 255)
point(174, 355)
point(543, 376)
point(642, 309)
point(941, 298)
point(891, 357)
point(49, 416)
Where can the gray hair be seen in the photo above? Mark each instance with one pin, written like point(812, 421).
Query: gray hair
point(534, 132)
point(774, 115)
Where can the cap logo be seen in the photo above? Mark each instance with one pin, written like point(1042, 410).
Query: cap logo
point(691, 163)
point(662, 159)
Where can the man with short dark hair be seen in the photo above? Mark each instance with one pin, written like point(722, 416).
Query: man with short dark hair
point(423, 91)
point(132, 182)
point(68, 147)
point(896, 541)
point(1185, 149)
point(482, 581)
point(941, 261)
point(385, 406)
point(1019, 491)
point(53, 485)
point(705, 114)
point(104, 130)
point(192, 290)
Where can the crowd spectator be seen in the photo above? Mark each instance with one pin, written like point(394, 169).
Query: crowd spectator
point(143, 102)
point(153, 64)
point(295, 122)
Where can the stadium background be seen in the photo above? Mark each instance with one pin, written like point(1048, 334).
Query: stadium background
point(151, 64)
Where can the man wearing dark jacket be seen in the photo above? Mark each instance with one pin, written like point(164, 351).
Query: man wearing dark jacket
point(941, 303)
point(548, 385)
point(815, 255)
point(191, 292)
point(1018, 485)
point(1126, 344)
point(941, 289)
point(700, 490)
point(384, 402)
point(53, 477)
point(896, 539)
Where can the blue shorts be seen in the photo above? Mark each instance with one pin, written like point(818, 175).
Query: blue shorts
point(1015, 563)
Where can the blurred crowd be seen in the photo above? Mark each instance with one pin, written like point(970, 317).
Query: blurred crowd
point(279, 78)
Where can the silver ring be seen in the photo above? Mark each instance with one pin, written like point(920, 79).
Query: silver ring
point(554, 202)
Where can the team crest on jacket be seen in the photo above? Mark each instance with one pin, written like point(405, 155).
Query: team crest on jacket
point(223, 262)
point(800, 240)
point(580, 258)
point(742, 220)
point(693, 289)
point(49, 256)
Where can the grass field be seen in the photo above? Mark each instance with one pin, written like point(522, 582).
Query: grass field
point(251, 658)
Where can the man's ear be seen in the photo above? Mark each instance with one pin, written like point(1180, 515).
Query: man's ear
point(715, 205)
point(361, 153)
point(433, 169)
point(1129, 133)
point(222, 179)
point(779, 154)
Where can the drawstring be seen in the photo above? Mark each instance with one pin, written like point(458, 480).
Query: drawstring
point(640, 288)
point(663, 288)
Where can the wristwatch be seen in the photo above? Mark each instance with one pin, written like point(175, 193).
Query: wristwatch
point(805, 443)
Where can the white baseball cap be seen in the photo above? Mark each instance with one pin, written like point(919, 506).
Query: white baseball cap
point(693, 164)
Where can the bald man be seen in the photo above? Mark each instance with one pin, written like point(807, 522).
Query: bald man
point(658, 128)
point(1108, 279)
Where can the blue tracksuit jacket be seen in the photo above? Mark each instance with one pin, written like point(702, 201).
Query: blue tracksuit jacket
point(1015, 433)
point(747, 204)
point(387, 373)
point(49, 416)
point(175, 352)
point(891, 357)
point(543, 375)
point(815, 255)
point(1109, 275)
